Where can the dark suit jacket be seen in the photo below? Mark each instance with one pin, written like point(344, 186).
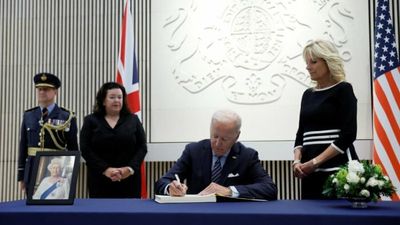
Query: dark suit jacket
point(242, 169)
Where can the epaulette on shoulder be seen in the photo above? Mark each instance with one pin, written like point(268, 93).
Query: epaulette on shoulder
point(66, 110)
point(28, 110)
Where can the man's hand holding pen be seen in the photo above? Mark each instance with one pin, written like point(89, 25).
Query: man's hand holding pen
point(176, 188)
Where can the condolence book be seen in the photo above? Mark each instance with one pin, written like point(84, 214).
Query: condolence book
point(200, 198)
point(185, 199)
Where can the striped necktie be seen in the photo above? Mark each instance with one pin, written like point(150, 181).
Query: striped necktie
point(216, 171)
point(45, 113)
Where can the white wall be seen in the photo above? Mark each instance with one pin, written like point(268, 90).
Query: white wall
point(271, 150)
point(246, 55)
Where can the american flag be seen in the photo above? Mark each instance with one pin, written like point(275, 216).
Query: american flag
point(127, 75)
point(386, 97)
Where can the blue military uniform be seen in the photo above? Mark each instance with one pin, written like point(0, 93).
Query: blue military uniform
point(57, 131)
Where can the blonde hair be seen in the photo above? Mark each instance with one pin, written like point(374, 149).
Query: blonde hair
point(327, 51)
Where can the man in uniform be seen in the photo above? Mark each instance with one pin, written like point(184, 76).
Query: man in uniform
point(46, 127)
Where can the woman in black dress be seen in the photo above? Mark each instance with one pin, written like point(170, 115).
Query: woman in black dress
point(113, 143)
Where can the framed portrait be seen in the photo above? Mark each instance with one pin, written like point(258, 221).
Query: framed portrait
point(54, 178)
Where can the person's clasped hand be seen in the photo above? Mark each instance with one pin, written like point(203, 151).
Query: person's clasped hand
point(309, 167)
point(113, 173)
point(297, 170)
point(125, 172)
point(177, 189)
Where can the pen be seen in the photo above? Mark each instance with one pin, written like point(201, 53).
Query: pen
point(177, 179)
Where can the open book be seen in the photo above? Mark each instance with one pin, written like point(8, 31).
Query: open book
point(201, 198)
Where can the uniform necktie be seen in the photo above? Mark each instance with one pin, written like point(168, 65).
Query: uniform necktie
point(216, 171)
point(45, 113)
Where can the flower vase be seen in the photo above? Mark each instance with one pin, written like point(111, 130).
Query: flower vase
point(359, 203)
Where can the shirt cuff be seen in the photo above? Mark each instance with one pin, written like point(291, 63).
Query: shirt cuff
point(299, 147)
point(131, 171)
point(337, 148)
point(235, 192)
point(166, 192)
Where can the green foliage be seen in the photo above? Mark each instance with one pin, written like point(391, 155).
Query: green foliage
point(359, 180)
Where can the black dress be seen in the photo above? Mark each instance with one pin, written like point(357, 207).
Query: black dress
point(103, 147)
point(327, 117)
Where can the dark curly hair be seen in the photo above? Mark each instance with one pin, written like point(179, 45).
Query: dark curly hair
point(99, 108)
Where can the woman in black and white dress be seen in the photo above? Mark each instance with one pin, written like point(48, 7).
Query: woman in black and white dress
point(328, 120)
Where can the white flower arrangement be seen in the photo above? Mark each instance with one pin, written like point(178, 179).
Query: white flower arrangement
point(359, 180)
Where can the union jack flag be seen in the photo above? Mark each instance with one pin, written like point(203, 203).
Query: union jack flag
point(127, 75)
